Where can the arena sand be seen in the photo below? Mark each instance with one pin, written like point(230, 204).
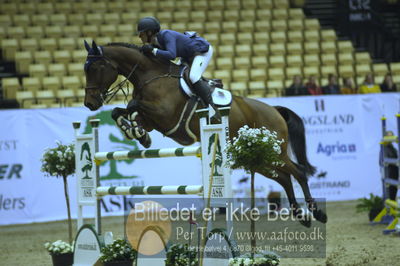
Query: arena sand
point(350, 240)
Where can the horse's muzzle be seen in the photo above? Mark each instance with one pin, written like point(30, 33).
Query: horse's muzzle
point(93, 103)
point(93, 100)
point(90, 106)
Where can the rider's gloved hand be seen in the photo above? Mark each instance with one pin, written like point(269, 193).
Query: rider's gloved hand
point(147, 49)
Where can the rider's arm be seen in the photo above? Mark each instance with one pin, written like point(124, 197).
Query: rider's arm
point(170, 47)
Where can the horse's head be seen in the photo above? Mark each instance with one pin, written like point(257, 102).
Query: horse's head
point(100, 73)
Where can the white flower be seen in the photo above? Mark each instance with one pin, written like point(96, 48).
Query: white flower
point(59, 246)
point(247, 261)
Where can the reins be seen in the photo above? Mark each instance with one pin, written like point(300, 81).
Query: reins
point(109, 94)
point(167, 75)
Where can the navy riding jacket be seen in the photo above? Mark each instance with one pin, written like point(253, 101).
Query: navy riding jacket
point(174, 44)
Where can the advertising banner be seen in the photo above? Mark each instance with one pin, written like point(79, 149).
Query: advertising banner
point(342, 133)
point(15, 181)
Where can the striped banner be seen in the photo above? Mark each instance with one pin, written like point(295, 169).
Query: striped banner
point(149, 190)
point(157, 153)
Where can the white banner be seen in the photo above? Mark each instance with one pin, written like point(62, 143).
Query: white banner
point(343, 134)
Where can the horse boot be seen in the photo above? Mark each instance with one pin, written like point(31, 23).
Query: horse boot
point(141, 134)
point(118, 115)
point(202, 90)
point(130, 128)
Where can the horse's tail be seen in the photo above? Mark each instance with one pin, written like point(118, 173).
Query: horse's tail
point(297, 138)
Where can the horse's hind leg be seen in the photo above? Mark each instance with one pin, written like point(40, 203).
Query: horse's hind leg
point(300, 176)
point(318, 214)
point(284, 180)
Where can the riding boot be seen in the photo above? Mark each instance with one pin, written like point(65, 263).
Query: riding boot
point(202, 89)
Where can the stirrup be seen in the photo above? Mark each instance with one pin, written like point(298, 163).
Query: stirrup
point(216, 118)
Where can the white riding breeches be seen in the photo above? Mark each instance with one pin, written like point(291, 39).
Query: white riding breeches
point(199, 65)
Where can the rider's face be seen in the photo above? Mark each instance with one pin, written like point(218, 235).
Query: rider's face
point(146, 37)
point(143, 37)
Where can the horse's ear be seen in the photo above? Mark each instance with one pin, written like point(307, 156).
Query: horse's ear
point(95, 48)
point(87, 46)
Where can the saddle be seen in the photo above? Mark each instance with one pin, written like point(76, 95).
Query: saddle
point(220, 97)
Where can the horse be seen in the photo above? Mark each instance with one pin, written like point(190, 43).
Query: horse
point(157, 104)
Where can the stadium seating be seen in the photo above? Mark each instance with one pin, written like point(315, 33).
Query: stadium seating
point(259, 45)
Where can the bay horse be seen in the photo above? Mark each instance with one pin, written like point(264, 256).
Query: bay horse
point(157, 103)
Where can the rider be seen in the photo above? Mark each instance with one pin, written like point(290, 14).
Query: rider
point(169, 44)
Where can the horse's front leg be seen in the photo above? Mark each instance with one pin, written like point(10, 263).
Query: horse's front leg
point(127, 121)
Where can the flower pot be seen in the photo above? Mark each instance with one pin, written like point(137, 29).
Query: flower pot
point(119, 263)
point(66, 259)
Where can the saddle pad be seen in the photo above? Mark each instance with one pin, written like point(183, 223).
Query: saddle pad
point(220, 96)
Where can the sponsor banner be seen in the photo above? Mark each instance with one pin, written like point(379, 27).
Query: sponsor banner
point(27, 195)
point(342, 133)
point(14, 170)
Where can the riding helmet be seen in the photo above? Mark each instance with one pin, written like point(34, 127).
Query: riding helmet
point(148, 23)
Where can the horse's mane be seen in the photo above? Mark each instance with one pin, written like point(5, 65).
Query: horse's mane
point(124, 44)
point(137, 47)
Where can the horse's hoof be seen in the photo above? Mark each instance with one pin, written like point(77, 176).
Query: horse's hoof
point(305, 221)
point(319, 215)
point(145, 140)
point(146, 145)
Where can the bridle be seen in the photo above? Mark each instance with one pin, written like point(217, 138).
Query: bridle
point(109, 94)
